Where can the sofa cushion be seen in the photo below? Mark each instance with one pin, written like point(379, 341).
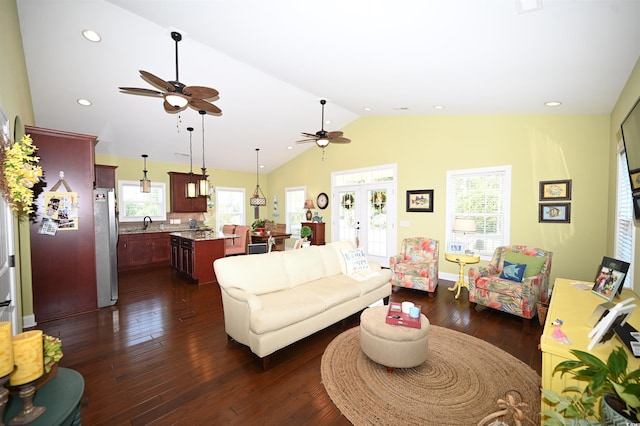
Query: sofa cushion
point(255, 274)
point(283, 308)
point(303, 266)
point(513, 271)
point(534, 263)
point(355, 260)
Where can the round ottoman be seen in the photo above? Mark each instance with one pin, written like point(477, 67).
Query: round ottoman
point(392, 345)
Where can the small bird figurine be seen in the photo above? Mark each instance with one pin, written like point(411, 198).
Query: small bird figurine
point(558, 334)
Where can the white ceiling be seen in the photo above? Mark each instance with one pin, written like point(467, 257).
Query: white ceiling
point(272, 61)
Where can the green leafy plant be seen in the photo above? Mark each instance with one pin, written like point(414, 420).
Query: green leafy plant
point(610, 378)
point(52, 351)
point(305, 232)
point(259, 223)
point(573, 406)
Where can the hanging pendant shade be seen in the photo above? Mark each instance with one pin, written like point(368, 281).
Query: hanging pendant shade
point(192, 188)
point(258, 198)
point(145, 184)
point(203, 183)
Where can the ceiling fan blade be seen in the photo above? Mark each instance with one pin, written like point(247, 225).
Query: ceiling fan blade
point(138, 91)
point(310, 135)
point(306, 141)
point(200, 92)
point(157, 81)
point(199, 104)
point(172, 109)
point(340, 140)
point(331, 135)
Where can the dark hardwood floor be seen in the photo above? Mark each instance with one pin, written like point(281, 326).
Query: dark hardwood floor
point(161, 356)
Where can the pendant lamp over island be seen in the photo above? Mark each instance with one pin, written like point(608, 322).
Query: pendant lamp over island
point(203, 183)
point(192, 188)
point(258, 198)
point(145, 184)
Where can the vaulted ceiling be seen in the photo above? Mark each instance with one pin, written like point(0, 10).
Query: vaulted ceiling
point(272, 62)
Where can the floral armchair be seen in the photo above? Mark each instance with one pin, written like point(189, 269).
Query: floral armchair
point(416, 266)
point(502, 289)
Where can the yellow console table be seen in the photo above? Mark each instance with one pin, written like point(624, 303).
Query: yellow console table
point(462, 260)
point(574, 307)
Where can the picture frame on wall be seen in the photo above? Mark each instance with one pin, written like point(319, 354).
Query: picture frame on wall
point(420, 200)
point(609, 278)
point(555, 190)
point(634, 176)
point(554, 213)
point(636, 205)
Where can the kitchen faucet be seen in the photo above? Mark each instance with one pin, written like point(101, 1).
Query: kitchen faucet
point(145, 224)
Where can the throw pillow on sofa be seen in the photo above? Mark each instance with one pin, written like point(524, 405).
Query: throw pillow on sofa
point(355, 260)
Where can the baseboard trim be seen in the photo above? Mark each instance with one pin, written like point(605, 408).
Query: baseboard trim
point(29, 321)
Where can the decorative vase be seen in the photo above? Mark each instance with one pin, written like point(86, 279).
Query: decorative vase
point(611, 416)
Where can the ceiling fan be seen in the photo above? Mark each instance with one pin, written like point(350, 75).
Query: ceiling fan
point(176, 95)
point(322, 138)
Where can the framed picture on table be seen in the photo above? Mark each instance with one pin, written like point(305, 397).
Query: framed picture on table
point(605, 328)
point(455, 248)
point(609, 278)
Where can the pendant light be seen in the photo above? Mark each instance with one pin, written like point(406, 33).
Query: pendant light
point(203, 183)
point(192, 188)
point(257, 199)
point(145, 184)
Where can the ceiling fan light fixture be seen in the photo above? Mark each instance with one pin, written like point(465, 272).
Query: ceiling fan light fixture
point(176, 100)
point(322, 142)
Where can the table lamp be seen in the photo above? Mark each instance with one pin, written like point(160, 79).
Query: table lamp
point(464, 225)
point(308, 204)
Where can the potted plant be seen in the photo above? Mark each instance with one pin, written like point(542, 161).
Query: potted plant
point(259, 224)
point(618, 388)
point(305, 232)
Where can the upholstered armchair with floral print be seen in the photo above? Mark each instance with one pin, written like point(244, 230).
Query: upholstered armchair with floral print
point(416, 266)
point(515, 280)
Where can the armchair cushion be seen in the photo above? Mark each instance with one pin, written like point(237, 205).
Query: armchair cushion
point(533, 263)
point(513, 271)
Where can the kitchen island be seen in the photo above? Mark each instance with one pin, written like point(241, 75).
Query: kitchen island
point(193, 253)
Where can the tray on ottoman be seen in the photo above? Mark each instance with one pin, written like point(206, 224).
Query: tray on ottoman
point(395, 316)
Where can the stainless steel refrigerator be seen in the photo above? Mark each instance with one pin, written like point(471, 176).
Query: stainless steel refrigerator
point(104, 210)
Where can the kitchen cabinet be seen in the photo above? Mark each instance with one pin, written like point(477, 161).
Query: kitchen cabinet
point(179, 201)
point(105, 176)
point(136, 251)
point(63, 266)
point(317, 232)
point(193, 257)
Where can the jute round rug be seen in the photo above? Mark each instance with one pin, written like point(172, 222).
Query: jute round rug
point(459, 383)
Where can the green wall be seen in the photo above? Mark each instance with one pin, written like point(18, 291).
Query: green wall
point(15, 100)
point(538, 147)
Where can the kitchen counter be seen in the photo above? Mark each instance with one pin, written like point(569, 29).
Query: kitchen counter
point(153, 228)
point(202, 235)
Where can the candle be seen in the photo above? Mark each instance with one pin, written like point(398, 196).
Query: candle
point(28, 357)
point(6, 349)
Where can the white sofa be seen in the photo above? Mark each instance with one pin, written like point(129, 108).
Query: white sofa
point(272, 300)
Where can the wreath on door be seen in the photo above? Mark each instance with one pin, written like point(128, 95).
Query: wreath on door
point(347, 201)
point(378, 200)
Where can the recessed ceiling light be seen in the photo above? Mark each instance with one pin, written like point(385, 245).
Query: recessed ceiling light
point(367, 108)
point(262, 166)
point(553, 103)
point(438, 107)
point(181, 154)
point(84, 102)
point(327, 122)
point(401, 108)
point(290, 147)
point(91, 35)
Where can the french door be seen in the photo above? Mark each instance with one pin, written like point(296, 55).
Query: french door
point(366, 214)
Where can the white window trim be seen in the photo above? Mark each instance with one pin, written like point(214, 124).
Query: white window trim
point(122, 201)
point(450, 216)
point(243, 205)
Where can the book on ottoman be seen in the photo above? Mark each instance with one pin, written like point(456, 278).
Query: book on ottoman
point(395, 316)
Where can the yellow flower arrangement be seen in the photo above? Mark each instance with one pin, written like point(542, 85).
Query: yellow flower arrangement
point(20, 174)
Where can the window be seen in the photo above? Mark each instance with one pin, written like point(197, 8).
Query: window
point(295, 214)
point(230, 204)
point(483, 194)
point(135, 205)
point(625, 230)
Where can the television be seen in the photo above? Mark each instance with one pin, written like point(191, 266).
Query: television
point(630, 129)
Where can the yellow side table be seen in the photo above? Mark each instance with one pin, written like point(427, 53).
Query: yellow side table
point(462, 260)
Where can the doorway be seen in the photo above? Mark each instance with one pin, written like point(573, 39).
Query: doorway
point(365, 210)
